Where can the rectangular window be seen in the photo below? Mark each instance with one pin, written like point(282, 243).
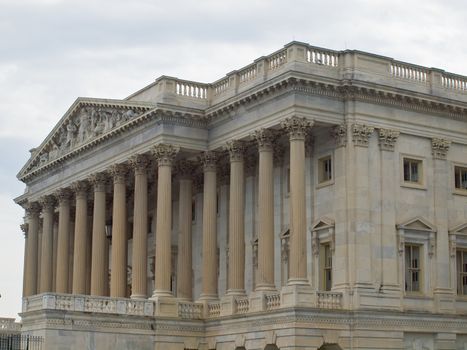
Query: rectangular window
point(193, 210)
point(327, 266)
point(412, 170)
point(462, 272)
point(412, 268)
point(460, 178)
point(324, 169)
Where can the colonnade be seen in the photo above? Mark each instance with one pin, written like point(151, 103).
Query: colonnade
point(165, 156)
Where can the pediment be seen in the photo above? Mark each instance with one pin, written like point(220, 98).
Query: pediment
point(459, 229)
point(285, 233)
point(85, 121)
point(418, 223)
point(322, 224)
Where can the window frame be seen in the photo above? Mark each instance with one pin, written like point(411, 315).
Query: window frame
point(320, 182)
point(458, 190)
point(410, 270)
point(421, 183)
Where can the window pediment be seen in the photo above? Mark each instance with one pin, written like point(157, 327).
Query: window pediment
point(322, 224)
point(417, 224)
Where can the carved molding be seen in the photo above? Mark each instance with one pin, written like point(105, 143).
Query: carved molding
point(33, 209)
point(165, 153)
point(80, 188)
point(297, 127)
point(440, 148)
point(387, 139)
point(63, 195)
point(361, 134)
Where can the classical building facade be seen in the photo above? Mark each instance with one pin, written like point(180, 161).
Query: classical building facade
point(314, 199)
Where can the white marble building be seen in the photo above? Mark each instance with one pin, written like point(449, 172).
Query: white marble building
point(314, 199)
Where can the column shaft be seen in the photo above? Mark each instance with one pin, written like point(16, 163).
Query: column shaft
point(266, 214)
point(47, 245)
point(118, 279)
point(63, 243)
point(81, 229)
point(32, 249)
point(165, 155)
point(184, 268)
point(209, 279)
point(236, 220)
point(140, 229)
point(98, 267)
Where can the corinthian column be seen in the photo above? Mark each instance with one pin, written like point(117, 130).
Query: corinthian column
point(32, 212)
point(236, 219)
point(184, 263)
point(98, 266)
point(297, 129)
point(209, 277)
point(48, 205)
point(81, 228)
point(63, 243)
point(264, 137)
point(140, 227)
point(165, 155)
point(118, 278)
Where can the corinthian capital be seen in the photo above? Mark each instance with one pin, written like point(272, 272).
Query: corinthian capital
point(119, 172)
point(47, 202)
point(80, 188)
point(387, 139)
point(165, 153)
point(140, 163)
point(265, 139)
point(297, 127)
point(98, 180)
point(24, 227)
point(63, 195)
point(209, 160)
point(440, 148)
point(339, 132)
point(236, 150)
point(185, 168)
point(361, 134)
point(33, 209)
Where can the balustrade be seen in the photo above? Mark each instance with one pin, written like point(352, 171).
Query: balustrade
point(329, 300)
point(409, 72)
point(455, 82)
point(214, 309)
point(273, 301)
point(8, 325)
point(221, 86)
point(192, 311)
point(242, 305)
point(191, 89)
point(248, 73)
point(323, 57)
point(277, 60)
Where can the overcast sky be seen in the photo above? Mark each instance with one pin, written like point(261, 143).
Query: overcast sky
point(52, 51)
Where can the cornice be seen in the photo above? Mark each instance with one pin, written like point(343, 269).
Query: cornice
point(287, 82)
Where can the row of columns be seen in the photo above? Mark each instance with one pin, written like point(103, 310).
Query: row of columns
point(165, 154)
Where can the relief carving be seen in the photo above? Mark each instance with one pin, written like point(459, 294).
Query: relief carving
point(440, 148)
point(361, 134)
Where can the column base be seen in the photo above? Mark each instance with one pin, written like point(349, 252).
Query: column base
point(208, 297)
point(138, 296)
point(298, 295)
point(236, 292)
point(444, 300)
point(258, 299)
point(165, 303)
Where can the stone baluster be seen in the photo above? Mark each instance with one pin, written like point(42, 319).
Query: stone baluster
point(236, 219)
point(264, 137)
point(99, 244)
point(165, 154)
point(32, 212)
point(63, 240)
point(184, 263)
point(118, 276)
point(140, 227)
point(81, 228)
point(46, 278)
point(209, 248)
point(297, 129)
